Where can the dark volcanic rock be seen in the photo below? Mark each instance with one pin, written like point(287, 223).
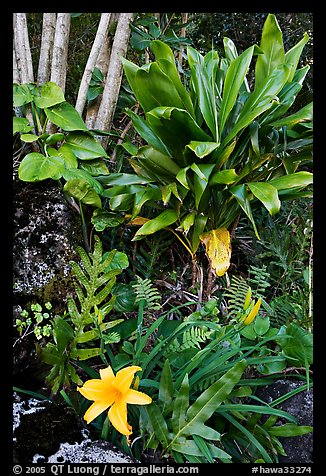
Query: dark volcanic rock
point(46, 232)
point(45, 432)
point(298, 449)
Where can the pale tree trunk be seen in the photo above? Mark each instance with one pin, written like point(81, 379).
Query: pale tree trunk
point(22, 46)
point(48, 30)
point(23, 69)
point(114, 76)
point(91, 62)
point(60, 50)
point(15, 73)
point(16, 79)
point(184, 19)
point(103, 65)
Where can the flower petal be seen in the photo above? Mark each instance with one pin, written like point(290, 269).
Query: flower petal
point(118, 417)
point(124, 378)
point(107, 374)
point(95, 389)
point(136, 398)
point(95, 410)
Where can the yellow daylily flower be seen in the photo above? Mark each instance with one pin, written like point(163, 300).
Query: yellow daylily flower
point(252, 314)
point(113, 391)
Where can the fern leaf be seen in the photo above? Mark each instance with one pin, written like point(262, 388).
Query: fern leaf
point(79, 274)
point(144, 290)
point(73, 311)
point(103, 294)
point(97, 252)
point(85, 260)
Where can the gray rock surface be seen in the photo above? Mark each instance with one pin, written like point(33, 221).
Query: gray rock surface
point(298, 449)
point(45, 432)
point(46, 232)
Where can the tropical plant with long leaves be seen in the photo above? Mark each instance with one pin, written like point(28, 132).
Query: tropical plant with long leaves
point(220, 147)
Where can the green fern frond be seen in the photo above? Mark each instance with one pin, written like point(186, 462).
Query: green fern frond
point(236, 295)
point(259, 279)
point(145, 291)
point(191, 338)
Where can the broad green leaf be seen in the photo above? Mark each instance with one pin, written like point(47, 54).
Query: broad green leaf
point(208, 402)
point(205, 91)
point(50, 94)
point(143, 197)
point(70, 160)
point(153, 164)
point(180, 406)
point(122, 202)
point(153, 88)
point(290, 430)
point(82, 191)
point(85, 354)
point(84, 146)
point(29, 137)
point(260, 100)
point(292, 56)
point(197, 230)
point(66, 117)
point(35, 167)
point(234, 78)
point(229, 49)
point(226, 176)
point(202, 149)
point(273, 48)
point(166, 390)
point(119, 261)
point(158, 424)
point(286, 98)
point(21, 124)
point(102, 219)
point(78, 174)
point(189, 447)
point(299, 347)
point(95, 167)
point(305, 114)
point(21, 94)
point(194, 57)
point(63, 333)
point(267, 194)
point(240, 194)
point(261, 325)
point(218, 249)
point(54, 138)
point(187, 222)
point(201, 177)
point(147, 133)
point(176, 128)
point(168, 190)
point(297, 179)
point(163, 220)
point(182, 177)
point(165, 59)
point(124, 179)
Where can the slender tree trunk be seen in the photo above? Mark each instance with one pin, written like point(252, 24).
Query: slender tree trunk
point(102, 64)
point(60, 50)
point(23, 69)
point(114, 76)
point(15, 73)
point(91, 62)
point(184, 18)
point(48, 30)
point(22, 46)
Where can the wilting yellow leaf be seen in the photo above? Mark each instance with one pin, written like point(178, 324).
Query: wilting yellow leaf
point(138, 221)
point(218, 249)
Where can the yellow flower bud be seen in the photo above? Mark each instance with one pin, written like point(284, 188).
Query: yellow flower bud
point(253, 313)
point(247, 299)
